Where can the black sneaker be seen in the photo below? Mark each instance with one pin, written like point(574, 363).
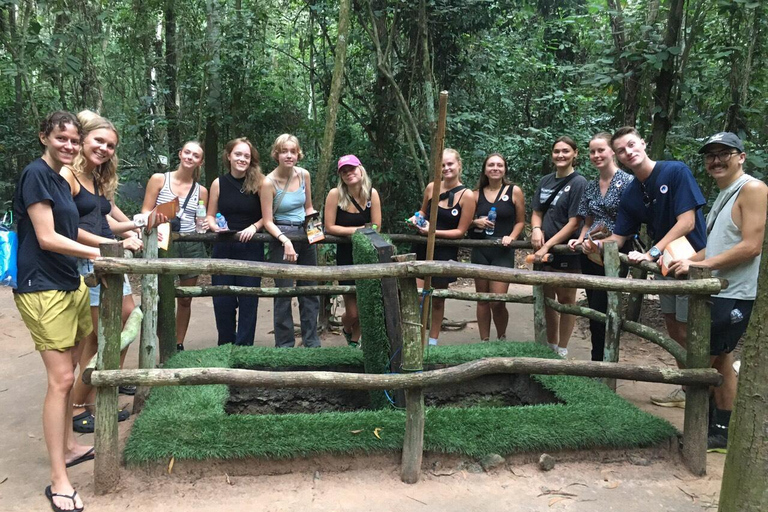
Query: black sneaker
point(179, 347)
point(717, 443)
point(127, 390)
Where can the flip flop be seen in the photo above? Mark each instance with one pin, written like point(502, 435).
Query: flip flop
point(89, 455)
point(50, 495)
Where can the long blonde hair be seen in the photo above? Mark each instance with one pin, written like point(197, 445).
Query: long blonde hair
point(105, 175)
point(344, 195)
point(253, 175)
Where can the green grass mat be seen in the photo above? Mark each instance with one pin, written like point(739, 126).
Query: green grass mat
point(189, 422)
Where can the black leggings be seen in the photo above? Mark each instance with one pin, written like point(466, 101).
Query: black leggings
point(598, 300)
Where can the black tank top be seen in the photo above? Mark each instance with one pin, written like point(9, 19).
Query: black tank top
point(505, 213)
point(93, 210)
point(239, 208)
point(356, 218)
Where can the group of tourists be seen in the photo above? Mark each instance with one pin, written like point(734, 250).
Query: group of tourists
point(65, 207)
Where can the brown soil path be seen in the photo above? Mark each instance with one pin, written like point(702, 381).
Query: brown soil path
point(608, 483)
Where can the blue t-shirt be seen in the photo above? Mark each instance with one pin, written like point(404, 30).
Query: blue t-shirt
point(41, 270)
point(669, 191)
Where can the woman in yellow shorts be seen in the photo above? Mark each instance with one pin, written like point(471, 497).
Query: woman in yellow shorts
point(51, 296)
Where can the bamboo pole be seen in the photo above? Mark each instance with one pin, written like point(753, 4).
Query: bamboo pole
point(539, 311)
point(149, 304)
point(128, 334)
point(106, 470)
point(413, 353)
point(300, 291)
point(410, 269)
point(166, 307)
point(437, 166)
point(613, 319)
point(370, 382)
point(695, 425)
point(640, 330)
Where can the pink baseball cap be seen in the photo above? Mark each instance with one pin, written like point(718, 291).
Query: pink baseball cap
point(349, 160)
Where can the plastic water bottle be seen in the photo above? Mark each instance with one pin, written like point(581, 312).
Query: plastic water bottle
point(221, 222)
point(200, 217)
point(491, 218)
point(420, 220)
point(736, 316)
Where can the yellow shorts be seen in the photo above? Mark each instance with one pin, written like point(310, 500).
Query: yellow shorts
point(56, 320)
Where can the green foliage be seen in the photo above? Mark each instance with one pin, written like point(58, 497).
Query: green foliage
point(589, 415)
point(373, 329)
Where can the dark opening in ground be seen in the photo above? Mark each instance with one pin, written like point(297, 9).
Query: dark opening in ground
point(488, 391)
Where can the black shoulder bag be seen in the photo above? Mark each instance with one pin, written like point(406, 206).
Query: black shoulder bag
point(176, 221)
point(555, 191)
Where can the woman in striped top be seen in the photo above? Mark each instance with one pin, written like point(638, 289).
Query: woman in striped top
point(164, 187)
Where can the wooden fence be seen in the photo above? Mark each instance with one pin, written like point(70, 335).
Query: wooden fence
point(158, 295)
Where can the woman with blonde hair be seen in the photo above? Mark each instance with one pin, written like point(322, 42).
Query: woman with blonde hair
point(350, 206)
point(93, 180)
point(235, 196)
point(182, 184)
point(286, 201)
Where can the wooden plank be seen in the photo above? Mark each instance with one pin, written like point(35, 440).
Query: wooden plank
point(149, 305)
point(613, 313)
point(166, 307)
point(695, 425)
point(106, 470)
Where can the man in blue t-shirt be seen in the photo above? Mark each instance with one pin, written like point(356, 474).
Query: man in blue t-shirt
point(666, 198)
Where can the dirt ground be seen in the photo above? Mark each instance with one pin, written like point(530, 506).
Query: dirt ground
point(610, 481)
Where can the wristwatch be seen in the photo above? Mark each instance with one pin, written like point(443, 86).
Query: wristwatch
point(139, 220)
point(654, 252)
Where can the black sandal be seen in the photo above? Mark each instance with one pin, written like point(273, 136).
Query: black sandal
point(50, 495)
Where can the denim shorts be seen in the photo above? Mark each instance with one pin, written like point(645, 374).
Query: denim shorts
point(86, 267)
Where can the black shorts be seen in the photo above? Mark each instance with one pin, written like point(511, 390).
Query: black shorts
point(442, 253)
point(344, 257)
point(564, 263)
point(725, 334)
point(494, 256)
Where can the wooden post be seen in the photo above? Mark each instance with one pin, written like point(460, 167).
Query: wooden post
point(613, 316)
point(437, 166)
point(148, 344)
point(695, 425)
point(539, 311)
point(166, 310)
point(106, 470)
point(635, 300)
point(413, 354)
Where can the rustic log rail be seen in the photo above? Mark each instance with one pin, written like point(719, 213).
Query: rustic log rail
point(107, 377)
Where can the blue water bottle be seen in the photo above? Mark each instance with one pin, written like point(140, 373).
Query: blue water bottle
point(491, 218)
point(221, 222)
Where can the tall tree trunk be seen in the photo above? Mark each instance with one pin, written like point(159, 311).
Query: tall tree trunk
point(666, 82)
point(211, 144)
point(746, 465)
point(171, 83)
point(741, 69)
point(326, 151)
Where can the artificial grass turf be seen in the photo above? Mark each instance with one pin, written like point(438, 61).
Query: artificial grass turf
point(189, 422)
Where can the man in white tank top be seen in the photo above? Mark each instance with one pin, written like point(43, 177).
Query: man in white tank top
point(735, 232)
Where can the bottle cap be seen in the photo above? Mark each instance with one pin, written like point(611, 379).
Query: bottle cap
point(202, 202)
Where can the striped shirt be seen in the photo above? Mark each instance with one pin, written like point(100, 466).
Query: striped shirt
point(166, 195)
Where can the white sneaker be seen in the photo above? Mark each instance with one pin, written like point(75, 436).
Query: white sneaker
point(737, 367)
point(562, 352)
point(552, 346)
point(675, 399)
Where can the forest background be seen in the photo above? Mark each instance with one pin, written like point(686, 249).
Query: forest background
point(520, 73)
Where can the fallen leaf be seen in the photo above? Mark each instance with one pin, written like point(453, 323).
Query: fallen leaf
point(228, 479)
point(464, 474)
point(612, 485)
point(355, 431)
point(376, 432)
point(170, 465)
point(31, 436)
point(606, 474)
point(689, 494)
point(519, 473)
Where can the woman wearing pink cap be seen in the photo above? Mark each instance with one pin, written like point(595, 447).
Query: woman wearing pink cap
point(349, 207)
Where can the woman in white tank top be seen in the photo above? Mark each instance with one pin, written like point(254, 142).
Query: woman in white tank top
point(164, 187)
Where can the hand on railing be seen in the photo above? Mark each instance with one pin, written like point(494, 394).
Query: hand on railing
point(574, 244)
point(132, 243)
point(637, 257)
point(537, 239)
point(679, 268)
point(246, 234)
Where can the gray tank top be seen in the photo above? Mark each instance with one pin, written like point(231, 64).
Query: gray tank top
point(742, 279)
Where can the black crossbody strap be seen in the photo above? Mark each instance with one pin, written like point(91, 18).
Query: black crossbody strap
point(449, 194)
point(359, 209)
point(189, 196)
point(555, 191)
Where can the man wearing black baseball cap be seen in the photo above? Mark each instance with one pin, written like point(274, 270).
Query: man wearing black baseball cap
point(735, 231)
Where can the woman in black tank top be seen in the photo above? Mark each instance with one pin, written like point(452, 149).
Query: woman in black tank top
point(349, 207)
point(236, 197)
point(456, 207)
point(495, 191)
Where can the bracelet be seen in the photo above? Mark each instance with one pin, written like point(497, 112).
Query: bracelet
point(278, 238)
point(535, 227)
